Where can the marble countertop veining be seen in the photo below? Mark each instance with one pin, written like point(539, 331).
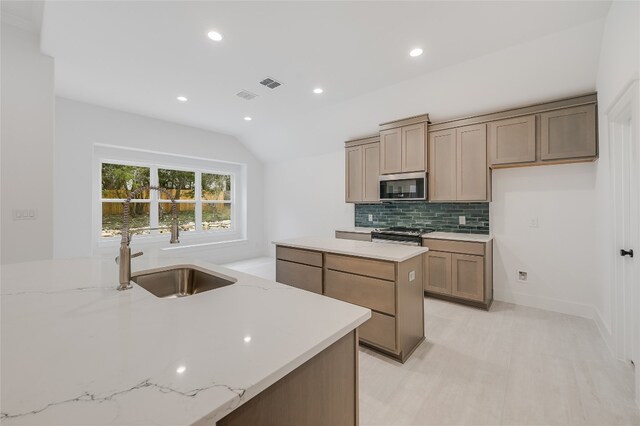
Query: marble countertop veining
point(77, 351)
point(390, 252)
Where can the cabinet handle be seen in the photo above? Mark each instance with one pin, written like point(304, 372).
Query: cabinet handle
point(624, 252)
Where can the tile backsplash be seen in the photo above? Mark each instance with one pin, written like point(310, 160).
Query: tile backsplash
point(442, 217)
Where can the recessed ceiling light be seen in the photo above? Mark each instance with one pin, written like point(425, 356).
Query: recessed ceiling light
point(247, 339)
point(416, 52)
point(317, 90)
point(181, 369)
point(214, 35)
point(182, 99)
point(247, 118)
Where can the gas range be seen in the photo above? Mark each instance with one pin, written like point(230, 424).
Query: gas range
point(400, 235)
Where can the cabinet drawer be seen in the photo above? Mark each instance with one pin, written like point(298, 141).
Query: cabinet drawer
point(301, 276)
point(463, 247)
point(356, 265)
point(371, 293)
point(307, 257)
point(358, 236)
point(380, 330)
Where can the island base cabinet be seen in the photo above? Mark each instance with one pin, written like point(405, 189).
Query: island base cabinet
point(379, 330)
point(322, 391)
point(299, 268)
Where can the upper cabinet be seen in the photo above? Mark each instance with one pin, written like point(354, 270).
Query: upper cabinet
point(557, 132)
point(458, 164)
point(390, 151)
point(568, 133)
point(403, 145)
point(512, 140)
point(362, 168)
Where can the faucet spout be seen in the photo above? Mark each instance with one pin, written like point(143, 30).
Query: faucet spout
point(124, 258)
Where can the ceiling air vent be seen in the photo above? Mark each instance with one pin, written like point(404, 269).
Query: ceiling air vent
point(271, 83)
point(245, 94)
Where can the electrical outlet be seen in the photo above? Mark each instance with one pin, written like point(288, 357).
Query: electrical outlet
point(523, 276)
point(412, 276)
point(533, 222)
point(462, 220)
point(370, 218)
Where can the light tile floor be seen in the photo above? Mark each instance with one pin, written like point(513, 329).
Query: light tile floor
point(512, 365)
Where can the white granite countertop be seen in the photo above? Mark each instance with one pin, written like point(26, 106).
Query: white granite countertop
point(356, 229)
point(390, 252)
point(455, 236)
point(76, 351)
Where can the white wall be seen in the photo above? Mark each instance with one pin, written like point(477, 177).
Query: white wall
point(27, 146)
point(619, 65)
point(559, 254)
point(79, 126)
point(306, 197)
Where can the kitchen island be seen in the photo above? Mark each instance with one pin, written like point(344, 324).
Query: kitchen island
point(77, 351)
point(386, 278)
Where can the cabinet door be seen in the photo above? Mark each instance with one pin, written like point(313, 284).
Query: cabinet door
point(513, 140)
point(471, 169)
point(413, 146)
point(568, 133)
point(437, 276)
point(442, 165)
point(354, 175)
point(371, 166)
point(467, 280)
point(390, 151)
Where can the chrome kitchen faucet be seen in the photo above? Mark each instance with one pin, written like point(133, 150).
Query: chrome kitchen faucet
point(124, 259)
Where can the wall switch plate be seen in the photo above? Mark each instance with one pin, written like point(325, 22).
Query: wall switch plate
point(533, 222)
point(523, 276)
point(462, 220)
point(412, 276)
point(370, 218)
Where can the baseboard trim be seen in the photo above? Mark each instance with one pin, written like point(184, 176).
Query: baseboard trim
point(554, 305)
point(605, 330)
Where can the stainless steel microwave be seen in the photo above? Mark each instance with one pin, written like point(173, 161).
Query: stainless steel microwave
point(403, 187)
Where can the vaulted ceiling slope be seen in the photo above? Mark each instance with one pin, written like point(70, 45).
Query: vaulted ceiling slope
point(139, 56)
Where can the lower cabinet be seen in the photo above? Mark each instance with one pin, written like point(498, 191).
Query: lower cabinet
point(459, 270)
point(358, 236)
point(392, 290)
point(299, 268)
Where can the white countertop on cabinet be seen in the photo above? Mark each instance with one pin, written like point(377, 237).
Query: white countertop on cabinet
point(454, 236)
point(76, 351)
point(390, 252)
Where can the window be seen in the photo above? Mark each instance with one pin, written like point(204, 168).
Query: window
point(204, 198)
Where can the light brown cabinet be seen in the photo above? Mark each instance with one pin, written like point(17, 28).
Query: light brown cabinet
point(512, 140)
point(392, 290)
point(362, 168)
point(390, 151)
point(458, 168)
point(358, 236)
point(459, 271)
point(568, 133)
point(299, 268)
point(403, 146)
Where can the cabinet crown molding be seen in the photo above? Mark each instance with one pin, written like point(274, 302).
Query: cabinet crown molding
point(423, 118)
point(362, 141)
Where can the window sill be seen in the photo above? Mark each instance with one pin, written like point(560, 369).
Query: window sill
point(186, 241)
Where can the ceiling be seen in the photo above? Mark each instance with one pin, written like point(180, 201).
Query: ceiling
point(139, 56)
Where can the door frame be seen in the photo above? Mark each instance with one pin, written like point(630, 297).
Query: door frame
point(623, 116)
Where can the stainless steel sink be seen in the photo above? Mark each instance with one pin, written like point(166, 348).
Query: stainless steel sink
point(180, 281)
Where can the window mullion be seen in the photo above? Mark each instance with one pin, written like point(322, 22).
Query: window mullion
point(153, 211)
point(198, 201)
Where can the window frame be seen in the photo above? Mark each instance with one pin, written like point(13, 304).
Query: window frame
point(154, 161)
